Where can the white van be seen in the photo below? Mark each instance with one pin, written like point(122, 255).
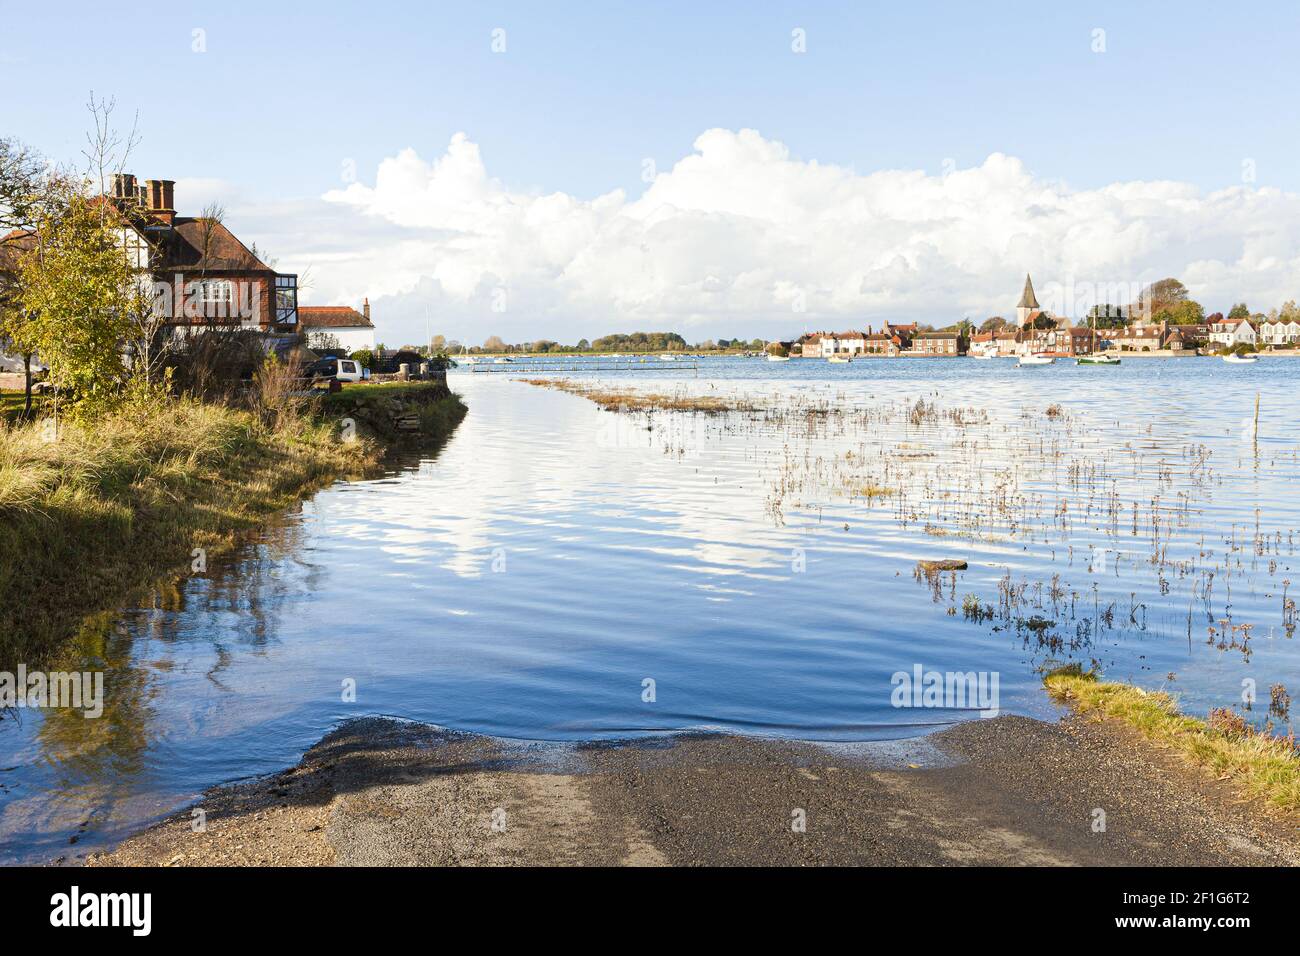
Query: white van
point(340, 369)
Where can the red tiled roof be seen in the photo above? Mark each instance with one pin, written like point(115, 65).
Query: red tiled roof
point(19, 240)
point(332, 317)
point(207, 245)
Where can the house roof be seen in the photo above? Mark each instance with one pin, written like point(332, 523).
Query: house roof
point(19, 240)
point(937, 335)
point(206, 244)
point(1027, 300)
point(332, 317)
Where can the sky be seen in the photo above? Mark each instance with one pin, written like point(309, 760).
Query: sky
point(756, 169)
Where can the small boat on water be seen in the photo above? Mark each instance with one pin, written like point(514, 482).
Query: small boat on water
point(778, 358)
point(1235, 359)
point(990, 353)
point(668, 358)
point(1098, 359)
point(840, 359)
point(1036, 360)
point(503, 361)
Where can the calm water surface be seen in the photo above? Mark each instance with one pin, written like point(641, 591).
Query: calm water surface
point(758, 566)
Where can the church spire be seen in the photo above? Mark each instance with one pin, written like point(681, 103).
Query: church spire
point(1027, 299)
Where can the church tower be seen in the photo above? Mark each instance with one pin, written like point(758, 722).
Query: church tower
point(1028, 303)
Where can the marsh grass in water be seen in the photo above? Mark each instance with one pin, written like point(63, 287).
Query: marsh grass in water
point(1132, 508)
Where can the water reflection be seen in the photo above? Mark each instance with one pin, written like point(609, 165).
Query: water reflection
point(758, 567)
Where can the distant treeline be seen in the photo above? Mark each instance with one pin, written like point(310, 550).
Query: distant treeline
point(620, 342)
point(640, 341)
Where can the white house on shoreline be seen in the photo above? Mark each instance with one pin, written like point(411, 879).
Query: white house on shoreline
point(1279, 332)
point(352, 330)
point(1232, 332)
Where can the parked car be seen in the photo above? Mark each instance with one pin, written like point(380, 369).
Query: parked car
point(337, 369)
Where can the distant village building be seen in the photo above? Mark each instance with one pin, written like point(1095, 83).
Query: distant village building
point(939, 343)
point(1277, 332)
point(351, 329)
point(892, 341)
point(1229, 333)
point(1138, 338)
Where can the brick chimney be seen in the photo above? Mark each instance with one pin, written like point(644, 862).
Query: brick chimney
point(161, 196)
point(365, 308)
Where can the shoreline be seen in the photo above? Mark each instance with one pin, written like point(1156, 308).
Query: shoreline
point(174, 502)
point(1006, 791)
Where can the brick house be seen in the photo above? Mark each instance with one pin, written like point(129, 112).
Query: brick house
point(204, 276)
point(1138, 338)
point(882, 343)
point(1186, 337)
point(939, 343)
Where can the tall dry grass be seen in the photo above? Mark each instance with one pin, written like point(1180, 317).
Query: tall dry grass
point(95, 509)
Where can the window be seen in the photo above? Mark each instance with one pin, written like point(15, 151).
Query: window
point(217, 291)
point(286, 300)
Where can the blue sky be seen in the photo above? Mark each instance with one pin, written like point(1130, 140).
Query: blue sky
point(1184, 91)
point(585, 92)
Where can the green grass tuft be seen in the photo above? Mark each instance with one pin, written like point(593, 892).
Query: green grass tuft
point(1261, 765)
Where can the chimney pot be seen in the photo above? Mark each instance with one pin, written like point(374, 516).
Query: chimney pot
point(365, 308)
point(160, 199)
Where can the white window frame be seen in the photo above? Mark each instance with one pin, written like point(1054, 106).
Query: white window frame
point(217, 292)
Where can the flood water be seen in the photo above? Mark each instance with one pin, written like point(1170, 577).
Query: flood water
point(758, 566)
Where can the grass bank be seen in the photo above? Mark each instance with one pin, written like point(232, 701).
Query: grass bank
point(1263, 766)
point(109, 508)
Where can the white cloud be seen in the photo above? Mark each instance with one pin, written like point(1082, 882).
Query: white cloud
point(737, 234)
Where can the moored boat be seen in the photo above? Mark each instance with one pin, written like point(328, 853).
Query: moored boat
point(1098, 359)
point(1235, 359)
point(1036, 359)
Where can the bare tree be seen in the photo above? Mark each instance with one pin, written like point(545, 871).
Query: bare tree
point(107, 150)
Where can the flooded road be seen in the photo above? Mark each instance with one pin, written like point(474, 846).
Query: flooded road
point(561, 572)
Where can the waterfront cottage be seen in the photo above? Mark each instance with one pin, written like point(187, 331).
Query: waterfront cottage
point(949, 343)
point(826, 344)
point(204, 276)
point(1228, 333)
point(879, 343)
point(325, 325)
point(1138, 338)
point(1279, 332)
